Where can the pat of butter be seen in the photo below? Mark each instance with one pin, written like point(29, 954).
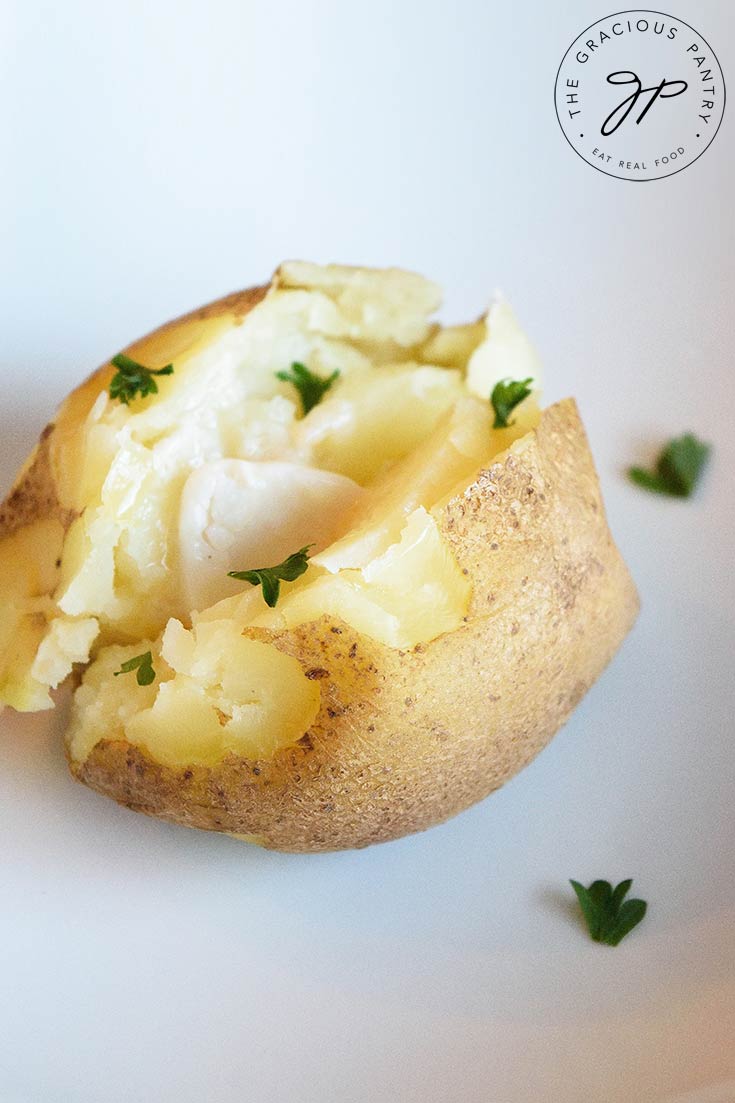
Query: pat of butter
point(238, 515)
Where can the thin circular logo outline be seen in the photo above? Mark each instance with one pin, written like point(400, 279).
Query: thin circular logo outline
point(647, 179)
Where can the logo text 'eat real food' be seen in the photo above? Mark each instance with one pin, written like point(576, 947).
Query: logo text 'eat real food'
point(639, 95)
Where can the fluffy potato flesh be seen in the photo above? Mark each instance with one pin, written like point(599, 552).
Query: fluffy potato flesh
point(141, 510)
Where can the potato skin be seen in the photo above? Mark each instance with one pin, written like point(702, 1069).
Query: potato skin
point(33, 495)
point(404, 740)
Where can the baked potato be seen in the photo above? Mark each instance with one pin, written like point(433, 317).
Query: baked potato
point(455, 592)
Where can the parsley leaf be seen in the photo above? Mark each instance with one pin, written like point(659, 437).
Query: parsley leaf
point(311, 388)
point(133, 378)
point(270, 578)
point(677, 468)
point(144, 666)
point(608, 915)
point(507, 393)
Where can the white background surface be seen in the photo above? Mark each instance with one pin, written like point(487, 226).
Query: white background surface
point(158, 154)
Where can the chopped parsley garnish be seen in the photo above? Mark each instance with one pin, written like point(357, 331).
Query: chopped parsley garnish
point(311, 388)
point(132, 378)
point(677, 469)
point(507, 393)
point(143, 664)
point(608, 915)
point(270, 578)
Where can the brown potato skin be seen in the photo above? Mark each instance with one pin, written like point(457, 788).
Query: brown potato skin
point(406, 739)
point(33, 494)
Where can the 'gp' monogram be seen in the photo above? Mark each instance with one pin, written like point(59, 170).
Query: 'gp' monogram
point(625, 76)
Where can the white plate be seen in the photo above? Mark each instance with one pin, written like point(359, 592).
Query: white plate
point(141, 961)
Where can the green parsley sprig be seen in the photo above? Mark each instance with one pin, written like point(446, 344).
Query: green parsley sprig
point(133, 378)
point(608, 915)
point(507, 393)
point(311, 387)
point(143, 664)
point(678, 467)
point(270, 578)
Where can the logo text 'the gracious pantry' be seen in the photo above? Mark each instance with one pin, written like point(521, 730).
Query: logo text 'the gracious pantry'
point(639, 95)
